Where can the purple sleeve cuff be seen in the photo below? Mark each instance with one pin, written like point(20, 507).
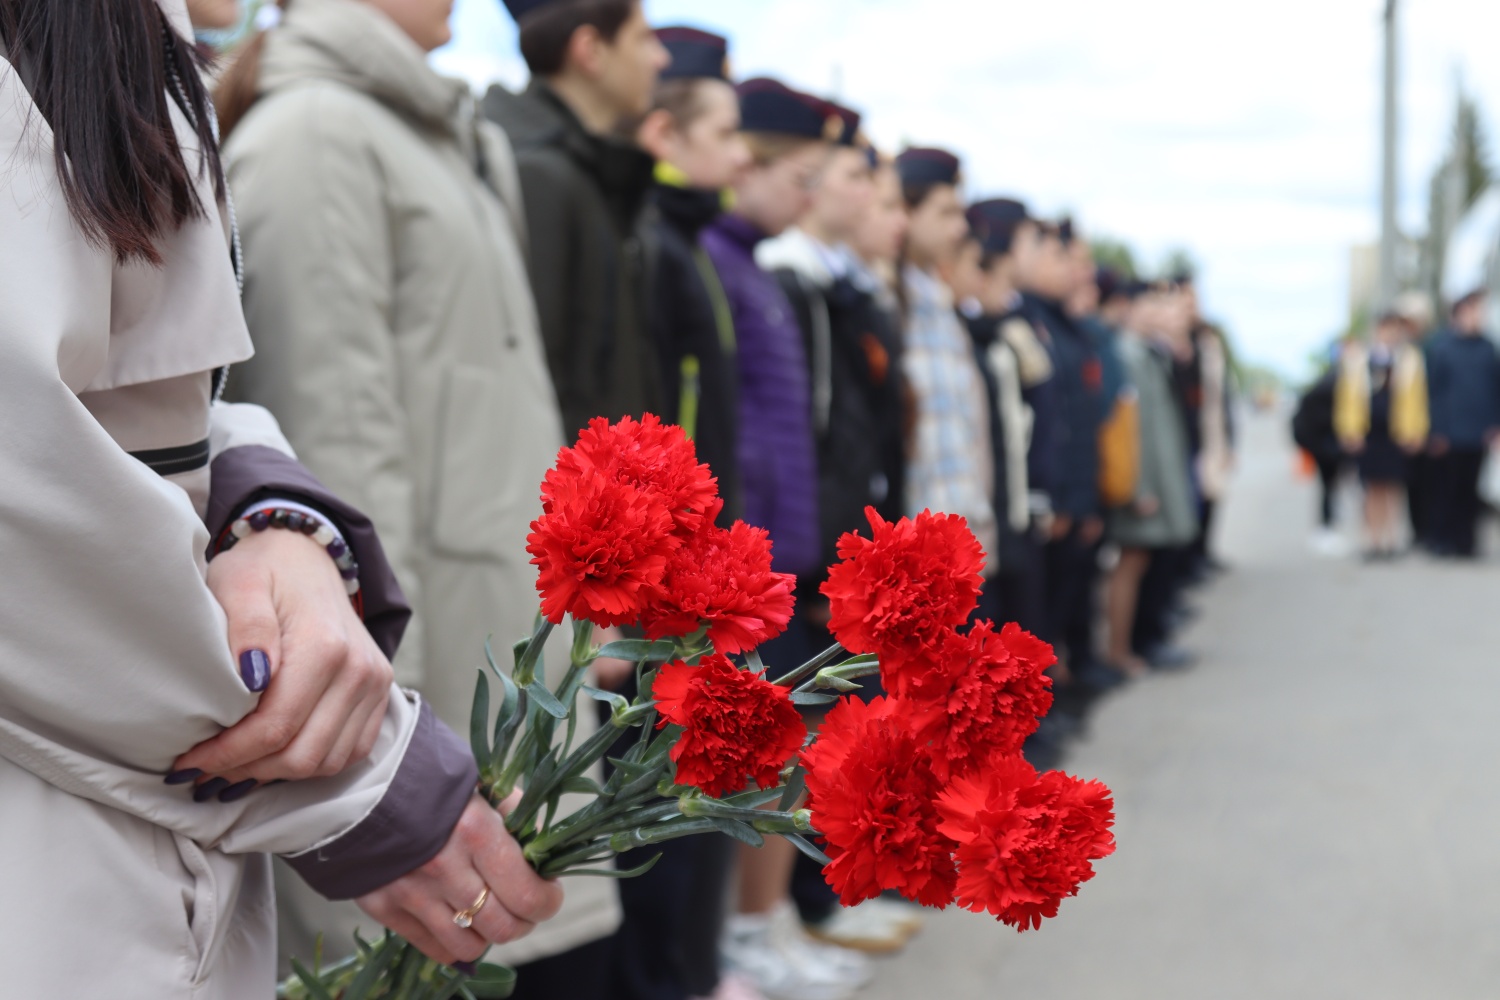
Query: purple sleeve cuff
point(241, 476)
point(411, 824)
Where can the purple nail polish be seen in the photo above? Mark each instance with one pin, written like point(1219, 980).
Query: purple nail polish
point(467, 968)
point(210, 788)
point(182, 777)
point(255, 669)
point(238, 791)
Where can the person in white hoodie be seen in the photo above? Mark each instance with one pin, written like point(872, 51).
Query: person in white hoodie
point(853, 352)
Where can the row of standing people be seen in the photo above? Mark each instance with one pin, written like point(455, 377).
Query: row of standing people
point(1415, 408)
point(441, 293)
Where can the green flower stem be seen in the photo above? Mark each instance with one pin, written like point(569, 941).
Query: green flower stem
point(841, 677)
point(525, 671)
point(816, 663)
point(764, 820)
point(627, 840)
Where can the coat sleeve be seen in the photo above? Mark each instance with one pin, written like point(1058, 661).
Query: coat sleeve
point(320, 270)
point(552, 264)
point(113, 658)
point(252, 461)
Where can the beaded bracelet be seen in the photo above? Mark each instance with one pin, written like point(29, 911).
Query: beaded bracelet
point(292, 520)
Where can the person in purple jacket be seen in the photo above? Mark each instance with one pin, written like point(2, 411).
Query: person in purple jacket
point(789, 137)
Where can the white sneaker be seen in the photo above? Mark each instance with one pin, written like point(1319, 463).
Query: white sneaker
point(1329, 543)
point(775, 954)
point(878, 926)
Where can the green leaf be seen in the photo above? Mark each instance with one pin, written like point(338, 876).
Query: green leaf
point(546, 700)
point(508, 721)
point(807, 847)
point(582, 783)
point(753, 799)
point(612, 872)
point(640, 650)
point(315, 989)
point(617, 702)
point(491, 982)
point(813, 698)
point(793, 790)
point(377, 963)
point(479, 719)
point(739, 831)
point(754, 662)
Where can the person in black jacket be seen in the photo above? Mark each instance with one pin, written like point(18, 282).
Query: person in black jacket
point(1312, 431)
point(852, 343)
point(594, 67)
point(693, 131)
point(1078, 380)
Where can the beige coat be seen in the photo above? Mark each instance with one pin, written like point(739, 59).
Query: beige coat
point(113, 656)
point(397, 343)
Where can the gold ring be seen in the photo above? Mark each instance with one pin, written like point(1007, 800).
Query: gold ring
point(465, 918)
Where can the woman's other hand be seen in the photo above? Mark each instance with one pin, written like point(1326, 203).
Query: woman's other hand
point(296, 636)
point(480, 855)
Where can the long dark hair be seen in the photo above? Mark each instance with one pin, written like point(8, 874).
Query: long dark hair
point(100, 72)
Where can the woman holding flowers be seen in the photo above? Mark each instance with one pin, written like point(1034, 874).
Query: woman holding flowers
point(144, 757)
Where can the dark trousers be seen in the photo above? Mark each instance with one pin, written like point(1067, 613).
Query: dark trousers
point(1072, 572)
point(1018, 592)
point(667, 947)
point(1455, 501)
point(582, 973)
point(1160, 589)
point(1329, 470)
point(1418, 492)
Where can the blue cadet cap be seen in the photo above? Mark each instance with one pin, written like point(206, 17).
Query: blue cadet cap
point(925, 165)
point(696, 55)
point(995, 221)
point(768, 105)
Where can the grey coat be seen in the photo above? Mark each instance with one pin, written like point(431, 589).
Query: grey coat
point(1165, 474)
point(397, 343)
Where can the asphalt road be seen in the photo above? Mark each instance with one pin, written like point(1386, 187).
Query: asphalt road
point(1313, 812)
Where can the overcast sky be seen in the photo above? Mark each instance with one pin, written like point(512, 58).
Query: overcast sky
point(1247, 133)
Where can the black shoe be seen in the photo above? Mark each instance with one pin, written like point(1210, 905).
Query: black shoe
point(1170, 658)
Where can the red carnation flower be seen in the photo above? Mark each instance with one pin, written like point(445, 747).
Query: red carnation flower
point(873, 795)
point(993, 694)
point(723, 578)
point(1026, 842)
point(735, 723)
point(656, 458)
point(600, 547)
point(899, 592)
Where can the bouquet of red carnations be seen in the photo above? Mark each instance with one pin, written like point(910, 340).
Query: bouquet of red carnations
point(922, 791)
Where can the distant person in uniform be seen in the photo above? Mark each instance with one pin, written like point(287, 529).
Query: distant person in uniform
point(1380, 416)
point(1463, 372)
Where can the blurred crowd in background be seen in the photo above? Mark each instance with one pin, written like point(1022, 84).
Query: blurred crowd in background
point(1414, 408)
point(443, 290)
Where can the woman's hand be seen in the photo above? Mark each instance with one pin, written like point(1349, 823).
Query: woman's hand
point(295, 634)
point(480, 854)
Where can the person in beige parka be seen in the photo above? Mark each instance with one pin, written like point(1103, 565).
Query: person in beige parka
point(120, 875)
point(397, 343)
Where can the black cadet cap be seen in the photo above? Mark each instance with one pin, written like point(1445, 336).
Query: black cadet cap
point(995, 221)
point(696, 55)
point(768, 105)
point(925, 165)
point(520, 8)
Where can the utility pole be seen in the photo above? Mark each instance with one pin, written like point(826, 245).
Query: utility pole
point(1388, 234)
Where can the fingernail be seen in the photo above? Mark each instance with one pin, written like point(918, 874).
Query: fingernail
point(210, 788)
point(467, 968)
point(238, 791)
point(182, 777)
point(255, 669)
